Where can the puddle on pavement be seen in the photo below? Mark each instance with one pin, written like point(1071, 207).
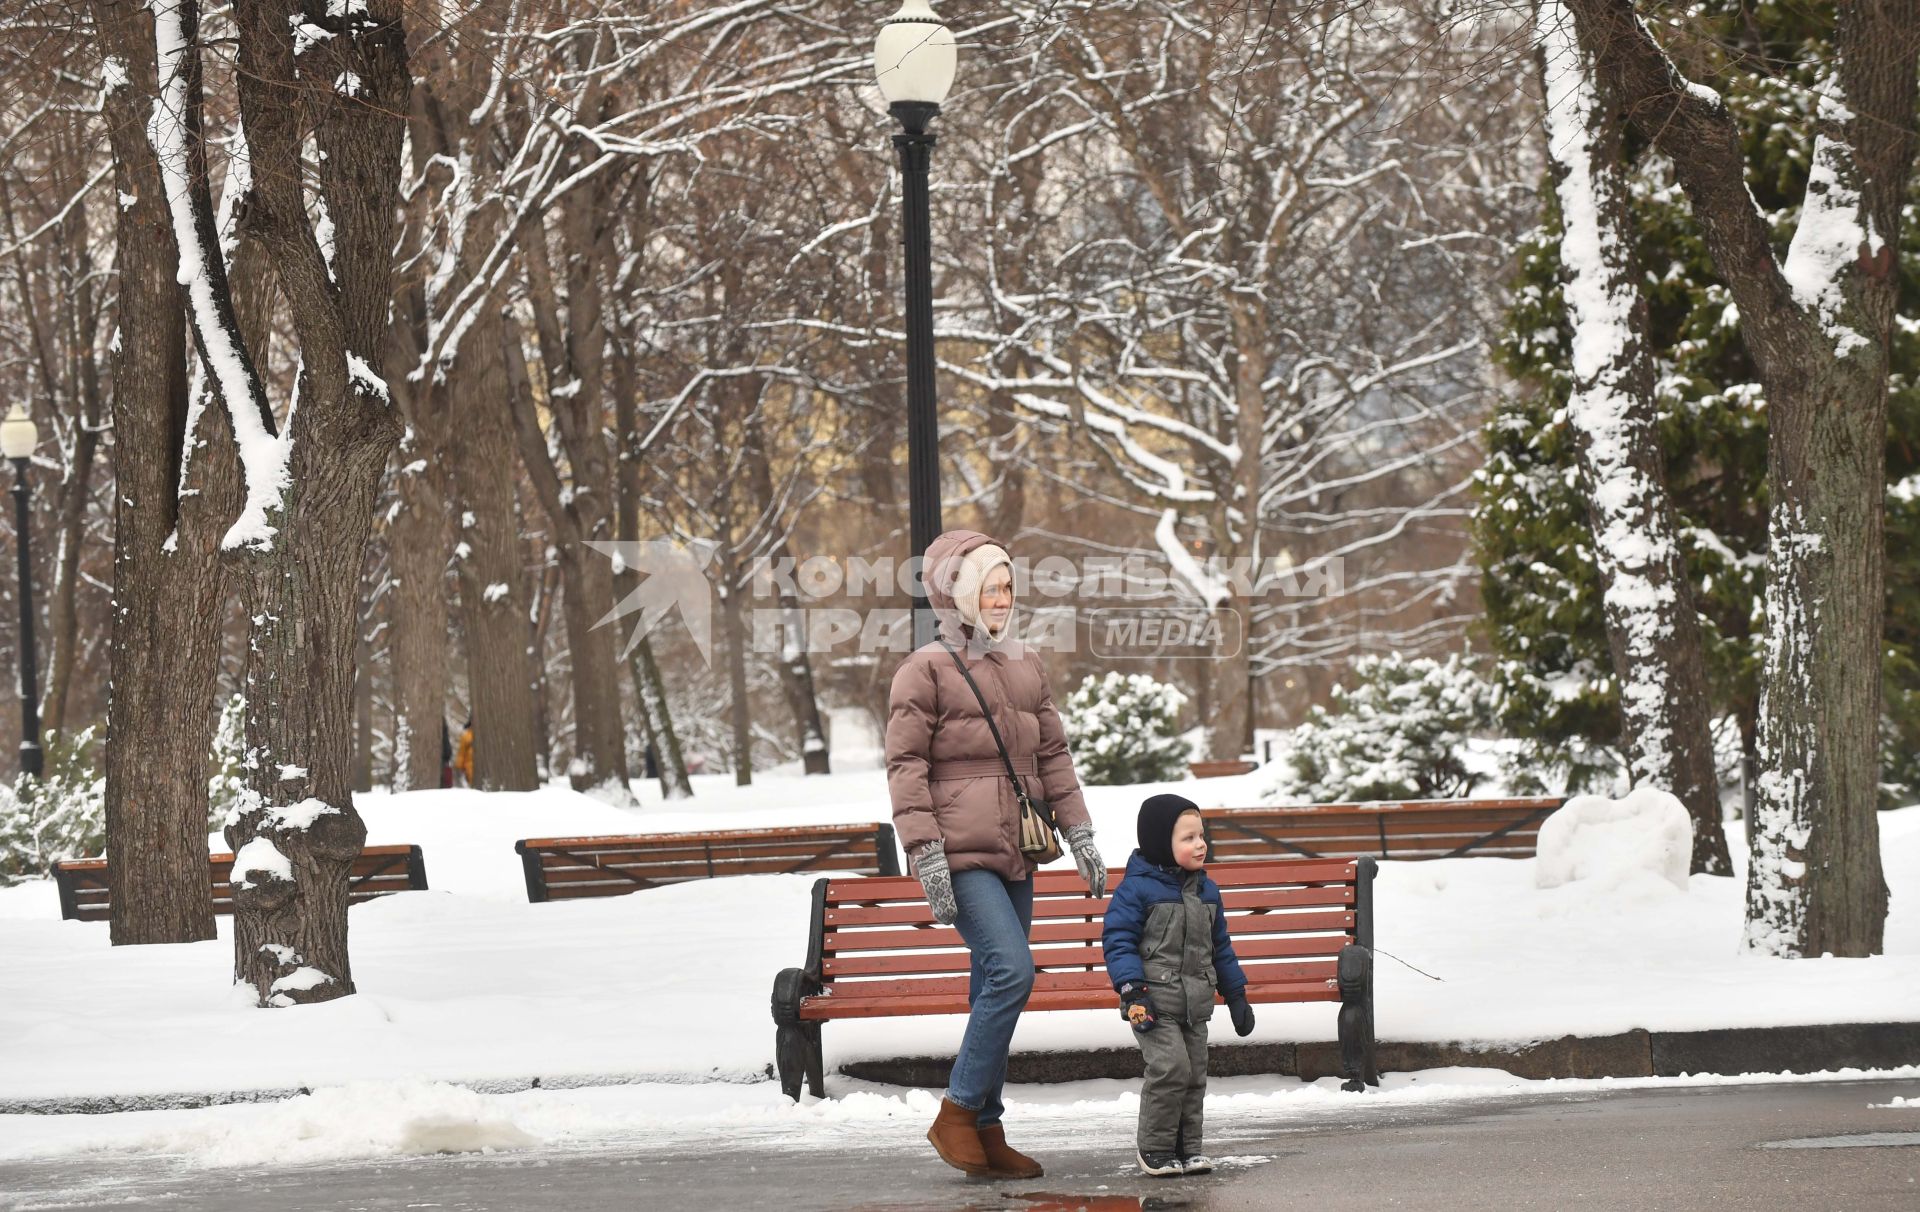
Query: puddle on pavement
point(1863, 1140)
point(1047, 1202)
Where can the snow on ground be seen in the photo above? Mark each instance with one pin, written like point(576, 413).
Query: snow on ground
point(669, 987)
point(401, 1118)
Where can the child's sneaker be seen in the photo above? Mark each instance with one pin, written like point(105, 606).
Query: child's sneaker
point(1198, 1163)
point(1160, 1165)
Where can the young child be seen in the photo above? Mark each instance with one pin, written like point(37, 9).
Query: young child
point(1167, 950)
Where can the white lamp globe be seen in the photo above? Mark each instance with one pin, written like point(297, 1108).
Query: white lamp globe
point(914, 56)
point(18, 436)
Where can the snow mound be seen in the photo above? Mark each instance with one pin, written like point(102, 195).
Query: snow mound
point(1609, 845)
point(353, 1121)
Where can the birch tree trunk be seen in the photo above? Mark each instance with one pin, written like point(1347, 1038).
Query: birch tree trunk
point(1652, 625)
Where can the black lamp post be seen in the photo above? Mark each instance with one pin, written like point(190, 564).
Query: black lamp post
point(17, 439)
point(913, 61)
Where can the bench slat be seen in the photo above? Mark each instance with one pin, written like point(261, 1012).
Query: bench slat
point(921, 962)
point(823, 1009)
point(562, 857)
point(845, 941)
point(376, 871)
point(915, 911)
point(1402, 830)
point(618, 840)
point(563, 868)
point(663, 872)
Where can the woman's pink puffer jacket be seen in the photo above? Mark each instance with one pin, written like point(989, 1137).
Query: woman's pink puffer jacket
point(944, 773)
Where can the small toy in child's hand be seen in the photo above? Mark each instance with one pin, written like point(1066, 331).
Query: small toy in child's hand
point(1136, 1008)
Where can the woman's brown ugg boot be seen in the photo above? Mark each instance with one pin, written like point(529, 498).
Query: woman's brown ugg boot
point(956, 1138)
point(1005, 1160)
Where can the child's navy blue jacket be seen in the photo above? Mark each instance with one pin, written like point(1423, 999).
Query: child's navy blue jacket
point(1145, 886)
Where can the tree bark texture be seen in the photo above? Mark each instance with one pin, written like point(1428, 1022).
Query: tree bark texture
point(649, 691)
point(296, 844)
point(419, 543)
point(1817, 324)
point(493, 593)
point(1653, 628)
point(167, 603)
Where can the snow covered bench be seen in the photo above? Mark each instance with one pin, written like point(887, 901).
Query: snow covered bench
point(379, 871)
point(561, 868)
point(1413, 829)
point(1303, 930)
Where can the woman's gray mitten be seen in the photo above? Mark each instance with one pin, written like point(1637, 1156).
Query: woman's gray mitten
point(1086, 856)
point(931, 869)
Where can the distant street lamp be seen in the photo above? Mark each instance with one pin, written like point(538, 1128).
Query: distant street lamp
point(17, 440)
point(913, 61)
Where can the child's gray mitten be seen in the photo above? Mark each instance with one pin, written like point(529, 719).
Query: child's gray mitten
point(937, 881)
point(1087, 857)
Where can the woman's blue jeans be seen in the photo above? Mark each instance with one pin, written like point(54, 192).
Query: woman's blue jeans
point(994, 919)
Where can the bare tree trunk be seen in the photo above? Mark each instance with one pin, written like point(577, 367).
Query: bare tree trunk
point(418, 542)
point(75, 492)
point(1818, 326)
point(166, 618)
point(1230, 724)
point(363, 713)
point(796, 681)
point(649, 692)
point(537, 666)
point(648, 687)
point(741, 711)
point(493, 596)
point(1653, 628)
point(600, 741)
point(295, 847)
point(793, 667)
point(581, 512)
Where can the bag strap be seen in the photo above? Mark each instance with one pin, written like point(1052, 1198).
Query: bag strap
point(1019, 791)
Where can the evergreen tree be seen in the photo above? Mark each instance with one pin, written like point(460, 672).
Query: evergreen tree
point(1543, 613)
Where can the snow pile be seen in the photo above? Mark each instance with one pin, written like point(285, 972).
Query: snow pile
point(338, 1123)
point(1612, 845)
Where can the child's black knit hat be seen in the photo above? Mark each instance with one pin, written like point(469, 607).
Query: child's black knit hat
point(1157, 817)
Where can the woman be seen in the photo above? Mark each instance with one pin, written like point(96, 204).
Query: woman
point(956, 815)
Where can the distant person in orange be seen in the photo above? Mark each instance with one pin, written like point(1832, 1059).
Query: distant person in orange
point(463, 755)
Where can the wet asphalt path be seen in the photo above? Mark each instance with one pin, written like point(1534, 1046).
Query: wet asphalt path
point(1786, 1146)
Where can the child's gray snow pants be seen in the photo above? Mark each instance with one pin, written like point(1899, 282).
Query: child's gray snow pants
point(1173, 1097)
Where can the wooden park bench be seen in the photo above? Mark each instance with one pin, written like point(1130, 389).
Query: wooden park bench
point(1302, 929)
point(1415, 829)
point(378, 871)
point(562, 868)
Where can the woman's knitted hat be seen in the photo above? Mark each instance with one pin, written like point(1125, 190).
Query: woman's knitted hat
point(1158, 815)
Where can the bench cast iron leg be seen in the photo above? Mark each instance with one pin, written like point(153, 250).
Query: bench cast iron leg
point(1356, 1018)
point(816, 1062)
point(796, 1045)
point(790, 1054)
